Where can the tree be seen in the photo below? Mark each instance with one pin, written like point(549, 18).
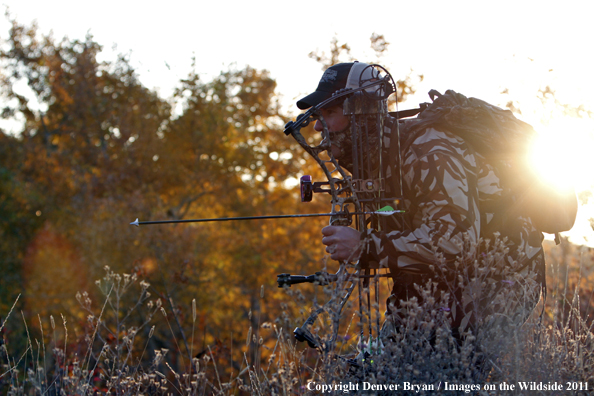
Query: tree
point(98, 149)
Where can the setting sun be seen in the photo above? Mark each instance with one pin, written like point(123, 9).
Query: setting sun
point(562, 153)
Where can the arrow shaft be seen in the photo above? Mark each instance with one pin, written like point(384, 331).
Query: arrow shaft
point(235, 218)
point(139, 223)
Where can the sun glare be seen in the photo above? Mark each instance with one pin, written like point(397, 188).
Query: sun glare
point(563, 154)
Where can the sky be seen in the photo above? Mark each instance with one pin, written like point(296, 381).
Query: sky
point(478, 48)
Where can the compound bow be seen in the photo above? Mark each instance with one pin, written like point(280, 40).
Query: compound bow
point(363, 189)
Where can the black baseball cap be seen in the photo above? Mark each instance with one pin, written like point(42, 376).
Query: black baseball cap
point(339, 76)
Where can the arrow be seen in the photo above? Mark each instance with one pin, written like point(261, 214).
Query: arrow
point(386, 211)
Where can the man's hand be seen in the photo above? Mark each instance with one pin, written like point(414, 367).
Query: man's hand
point(343, 243)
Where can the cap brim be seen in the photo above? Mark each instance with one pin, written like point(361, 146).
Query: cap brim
point(312, 100)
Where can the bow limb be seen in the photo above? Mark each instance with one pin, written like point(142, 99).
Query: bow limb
point(341, 188)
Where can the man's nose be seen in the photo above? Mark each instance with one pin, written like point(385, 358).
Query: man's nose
point(318, 126)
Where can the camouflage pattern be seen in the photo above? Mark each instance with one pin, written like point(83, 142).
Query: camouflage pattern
point(452, 198)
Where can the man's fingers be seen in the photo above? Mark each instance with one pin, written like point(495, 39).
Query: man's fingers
point(328, 241)
point(329, 238)
point(341, 242)
point(329, 230)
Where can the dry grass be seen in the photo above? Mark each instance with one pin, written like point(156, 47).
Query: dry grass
point(510, 343)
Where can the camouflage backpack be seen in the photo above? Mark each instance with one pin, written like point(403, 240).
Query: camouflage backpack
point(504, 141)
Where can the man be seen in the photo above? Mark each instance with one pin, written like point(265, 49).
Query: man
point(445, 184)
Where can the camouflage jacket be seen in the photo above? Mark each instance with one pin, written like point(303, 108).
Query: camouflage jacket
point(451, 197)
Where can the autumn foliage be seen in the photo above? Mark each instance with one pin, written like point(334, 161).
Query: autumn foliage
point(95, 149)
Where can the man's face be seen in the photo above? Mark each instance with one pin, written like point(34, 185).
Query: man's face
point(336, 122)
